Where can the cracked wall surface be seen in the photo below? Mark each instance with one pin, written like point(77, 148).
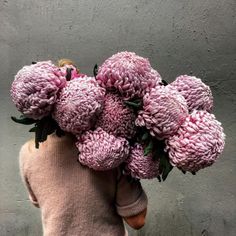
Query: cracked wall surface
point(179, 37)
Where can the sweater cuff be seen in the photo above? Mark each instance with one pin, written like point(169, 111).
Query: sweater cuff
point(135, 208)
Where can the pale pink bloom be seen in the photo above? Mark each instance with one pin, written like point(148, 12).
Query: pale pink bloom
point(164, 110)
point(35, 88)
point(78, 105)
point(198, 142)
point(140, 166)
point(101, 151)
point(129, 74)
point(197, 94)
point(116, 118)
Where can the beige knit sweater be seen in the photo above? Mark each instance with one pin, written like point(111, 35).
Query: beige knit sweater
point(75, 200)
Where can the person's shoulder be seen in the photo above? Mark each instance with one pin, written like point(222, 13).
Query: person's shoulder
point(27, 147)
point(26, 150)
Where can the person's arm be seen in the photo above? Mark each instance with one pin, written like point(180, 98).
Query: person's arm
point(23, 172)
point(131, 202)
point(32, 197)
point(136, 221)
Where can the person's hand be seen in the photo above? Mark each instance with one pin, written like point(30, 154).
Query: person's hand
point(136, 221)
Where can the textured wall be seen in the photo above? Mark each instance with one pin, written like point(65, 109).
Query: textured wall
point(179, 36)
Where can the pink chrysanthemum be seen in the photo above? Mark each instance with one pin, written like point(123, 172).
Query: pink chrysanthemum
point(197, 94)
point(140, 166)
point(129, 74)
point(34, 90)
point(116, 118)
point(198, 142)
point(164, 110)
point(79, 105)
point(102, 151)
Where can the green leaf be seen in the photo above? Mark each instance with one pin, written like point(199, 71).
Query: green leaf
point(36, 144)
point(156, 155)
point(38, 134)
point(165, 167)
point(145, 136)
point(33, 129)
point(166, 171)
point(45, 127)
point(164, 82)
point(138, 100)
point(133, 104)
point(68, 74)
point(95, 70)
point(149, 148)
point(23, 120)
point(59, 132)
point(48, 127)
point(160, 146)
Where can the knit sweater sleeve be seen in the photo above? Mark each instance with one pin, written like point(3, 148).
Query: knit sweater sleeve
point(24, 153)
point(130, 197)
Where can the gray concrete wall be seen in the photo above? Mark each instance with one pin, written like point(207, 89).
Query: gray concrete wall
point(179, 36)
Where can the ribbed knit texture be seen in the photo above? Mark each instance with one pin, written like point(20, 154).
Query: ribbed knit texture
point(75, 200)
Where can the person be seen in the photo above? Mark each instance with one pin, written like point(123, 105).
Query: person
point(70, 69)
point(74, 199)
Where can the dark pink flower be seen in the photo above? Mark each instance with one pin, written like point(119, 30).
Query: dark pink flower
point(79, 104)
point(129, 74)
point(101, 151)
point(197, 94)
point(35, 88)
point(164, 110)
point(140, 166)
point(116, 118)
point(198, 142)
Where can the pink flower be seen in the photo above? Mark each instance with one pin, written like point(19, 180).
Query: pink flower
point(35, 88)
point(101, 151)
point(140, 166)
point(129, 74)
point(197, 94)
point(116, 118)
point(164, 110)
point(198, 142)
point(79, 104)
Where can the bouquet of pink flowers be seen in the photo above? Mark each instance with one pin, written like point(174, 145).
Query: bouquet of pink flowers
point(124, 115)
